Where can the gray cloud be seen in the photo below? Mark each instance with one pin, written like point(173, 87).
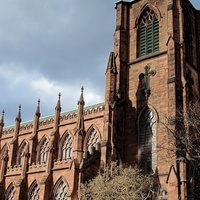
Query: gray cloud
point(47, 47)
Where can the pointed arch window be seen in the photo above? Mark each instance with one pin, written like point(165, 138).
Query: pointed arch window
point(10, 192)
point(60, 191)
point(66, 149)
point(93, 140)
point(3, 161)
point(34, 192)
point(22, 152)
point(147, 141)
point(43, 151)
point(148, 33)
point(4, 153)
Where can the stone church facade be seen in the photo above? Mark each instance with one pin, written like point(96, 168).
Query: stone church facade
point(153, 71)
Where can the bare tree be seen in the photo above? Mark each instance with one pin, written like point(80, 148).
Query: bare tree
point(185, 144)
point(120, 183)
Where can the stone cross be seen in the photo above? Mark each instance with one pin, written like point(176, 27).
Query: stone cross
point(146, 75)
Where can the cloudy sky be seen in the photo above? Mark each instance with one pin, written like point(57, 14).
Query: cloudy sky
point(51, 46)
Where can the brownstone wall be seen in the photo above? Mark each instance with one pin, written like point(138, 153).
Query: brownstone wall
point(169, 86)
point(117, 121)
point(36, 171)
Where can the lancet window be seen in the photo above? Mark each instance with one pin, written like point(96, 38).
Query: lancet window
point(93, 139)
point(10, 193)
point(147, 141)
point(34, 192)
point(4, 153)
point(22, 152)
point(60, 192)
point(67, 147)
point(43, 151)
point(148, 33)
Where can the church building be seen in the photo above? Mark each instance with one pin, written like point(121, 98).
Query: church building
point(153, 70)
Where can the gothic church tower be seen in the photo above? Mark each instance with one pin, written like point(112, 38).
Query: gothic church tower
point(155, 72)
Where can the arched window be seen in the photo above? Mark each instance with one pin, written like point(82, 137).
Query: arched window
point(66, 149)
point(43, 151)
point(34, 192)
point(3, 160)
point(148, 33)
point(23, 150)
point(4, 153)
point(10, 192)
point(60, 190)
point(147, 141)
point(93, 140)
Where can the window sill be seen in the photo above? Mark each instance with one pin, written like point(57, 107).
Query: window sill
point(148, 56)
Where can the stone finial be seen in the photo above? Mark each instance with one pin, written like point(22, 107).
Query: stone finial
point(111, 66)
point(18, 118)
point(37, 112)
point(58, 106)
point(57, 113)
point(2, 119)
point(81, 99)
point(80, 120)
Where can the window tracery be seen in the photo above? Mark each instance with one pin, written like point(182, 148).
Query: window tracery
point(61, 190)
point(148, 33)
point(93, 139)
point(67, 147)
point(22, 152)
point(147, 141)
point(10, 193)
point(43, 151)
point(34, 193)
point(4, 153)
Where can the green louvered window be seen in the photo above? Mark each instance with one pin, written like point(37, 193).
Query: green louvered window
point(148, 33)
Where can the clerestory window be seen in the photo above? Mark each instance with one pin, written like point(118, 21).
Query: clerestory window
point(93, 140)
point(67, 147)
point(43, 151)
point(148, 33)
point(23, 150)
